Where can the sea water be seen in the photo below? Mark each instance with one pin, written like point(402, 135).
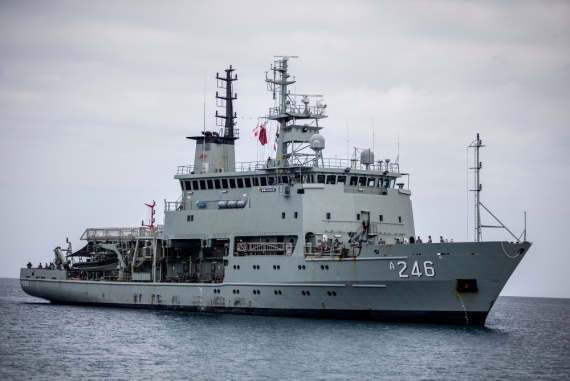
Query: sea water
point(524, 339)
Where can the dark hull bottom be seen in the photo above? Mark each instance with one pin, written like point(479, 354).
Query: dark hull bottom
point(474, 318)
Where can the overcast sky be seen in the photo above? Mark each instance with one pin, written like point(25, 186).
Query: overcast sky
point(97, 98)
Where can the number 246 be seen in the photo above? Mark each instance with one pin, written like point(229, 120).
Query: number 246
point(428, 269)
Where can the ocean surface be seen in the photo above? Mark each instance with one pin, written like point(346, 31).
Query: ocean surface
point(524, 339)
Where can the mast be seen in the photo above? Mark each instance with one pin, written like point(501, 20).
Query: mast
point(215, 151)
point(227, 101)
point(298, 124)
point(477, 143)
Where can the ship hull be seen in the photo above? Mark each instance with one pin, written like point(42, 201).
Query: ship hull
point(454, 283)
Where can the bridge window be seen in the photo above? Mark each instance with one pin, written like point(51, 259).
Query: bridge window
point(232, 183)
point(203, 184)
point(247, 182)
point(217, 184)
point(371, 182)
point(225, 183)
point(353, 180)
point(255, 181)
point(341, 180)
point(321, 179)
point(361, 181)
point(263, 181)
point(239, 182)
point(210, 184)
point(195, 185)
point(331, 179)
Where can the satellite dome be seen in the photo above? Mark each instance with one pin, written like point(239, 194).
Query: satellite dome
point(317, 142)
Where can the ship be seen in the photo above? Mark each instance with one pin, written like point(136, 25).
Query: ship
point(296, 235)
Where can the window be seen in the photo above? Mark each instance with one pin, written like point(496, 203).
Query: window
point(331, 179)
point(190, 218)
point(263, 181)
point(381, 218)
point(247, 181)
point(255, 181)
point(283, 215)
point(203, 184)
point(296, 214)
point(341, 180)
point(361, 181)
point(239, 182)
point(328, 216)
point(188, 184)
point(400, 219)
point(225, 183)
point(210, 184)
point(232, 183)
point(353, 180)
point(321, 179)
point(217, 184)
point(358, 217)
point(195, 185)
point(371, 182)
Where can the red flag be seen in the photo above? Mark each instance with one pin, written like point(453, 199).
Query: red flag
point(255, 130)
point(262, 135)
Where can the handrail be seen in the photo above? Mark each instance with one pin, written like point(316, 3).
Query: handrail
point(250, 166)
point(91, 234)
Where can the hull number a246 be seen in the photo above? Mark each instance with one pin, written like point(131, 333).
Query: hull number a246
point(417, 269)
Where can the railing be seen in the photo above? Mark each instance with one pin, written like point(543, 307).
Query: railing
point(248, 248)
point(298, 110)
point(99, 234)
point(380, 166)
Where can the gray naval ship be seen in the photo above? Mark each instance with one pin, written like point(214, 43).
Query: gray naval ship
point(297, 235)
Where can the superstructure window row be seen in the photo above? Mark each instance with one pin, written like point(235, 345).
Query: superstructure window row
point(249, 182)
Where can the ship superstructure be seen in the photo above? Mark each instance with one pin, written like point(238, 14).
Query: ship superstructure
point(294, 235)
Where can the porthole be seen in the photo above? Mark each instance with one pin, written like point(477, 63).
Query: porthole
point(326, 267)
point(308, 293)
point(322, 267)
point(299, 267)
point(279, 292)
point(278, 267)
point(275, 292)
point(303, 292)
point(334, 293)
point(328, 293)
